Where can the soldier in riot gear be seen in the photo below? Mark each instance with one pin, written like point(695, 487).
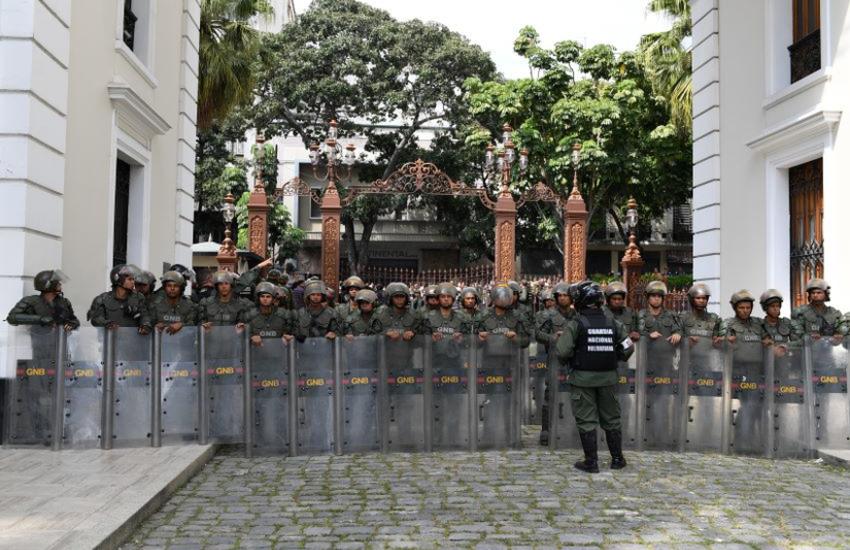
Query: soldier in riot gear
point(547, 299)
point(781, 331)
point(122, 306)
point(49, 307)
point(173, 311)
point(593, 344)
point(446, 325)
point(432, 301)
point(818, 319)
point(396, 320)
point(363, 322)
point(699, 322)
point(522, 309)
point(145, 283)
point(347, 304)
point(656, 322)
point(269, 321)
point(225, 308)
point(316, 319)
point(550, 325)
point(470, 306)
point(615, 304)
point(283, 297)
point(502, 319)
point(743, 325)
point(245, 283)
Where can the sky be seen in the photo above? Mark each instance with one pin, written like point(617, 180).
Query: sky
point(494, 24)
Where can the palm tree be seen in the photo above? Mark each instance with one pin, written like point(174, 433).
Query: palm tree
point(228, 48)
point(668, 60)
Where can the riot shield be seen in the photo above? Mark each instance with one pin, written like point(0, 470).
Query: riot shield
point(359, 394)
point(269, 393)
point(662, 380)
point(703, 363)
point(537, 373)
point(223, 369)
point(450, 402)
point(748, 385)
point(131, 409)
point(828, 369)
point(179, 375)
point(627, 396)
point(791, 435)
point(30, 399)
point(314, 371)
point(403, 411)
point(84, 388)
point(498, 399)
point(563, 432)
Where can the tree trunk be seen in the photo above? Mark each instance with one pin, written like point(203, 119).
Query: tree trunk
point(365, 242)
point(351, 245)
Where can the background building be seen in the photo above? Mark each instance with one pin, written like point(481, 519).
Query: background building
point(97, 140)
point(771, 81)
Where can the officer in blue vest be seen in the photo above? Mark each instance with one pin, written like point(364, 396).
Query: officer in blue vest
point(592, 343)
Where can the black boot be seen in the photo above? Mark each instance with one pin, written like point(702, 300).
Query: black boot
point(544, 426)
point(590, 464)
point(615, 445)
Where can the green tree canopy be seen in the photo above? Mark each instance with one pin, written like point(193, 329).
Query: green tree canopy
point(377, 77)
point(602, 99)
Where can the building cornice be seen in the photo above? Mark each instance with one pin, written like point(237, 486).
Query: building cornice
point(136, 111)
point(803, 127)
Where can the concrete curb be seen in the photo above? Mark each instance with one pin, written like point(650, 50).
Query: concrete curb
point(122, 532)
point(835, 457)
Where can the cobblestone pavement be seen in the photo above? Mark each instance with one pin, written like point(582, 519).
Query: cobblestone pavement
point(522, 498)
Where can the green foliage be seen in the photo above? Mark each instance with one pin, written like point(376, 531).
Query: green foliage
point(378, 77)
point(680, 281)
point(668, 61)
point(228, 47)
point(602, 99)
point(282, 235)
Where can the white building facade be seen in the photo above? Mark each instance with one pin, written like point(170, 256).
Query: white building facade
point(771, 81)
point(97, 140)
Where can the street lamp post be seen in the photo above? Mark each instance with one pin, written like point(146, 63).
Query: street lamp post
point(226, 257)
point(331, 207)
point(632, 262)
point(575, 227)
point(500, 163)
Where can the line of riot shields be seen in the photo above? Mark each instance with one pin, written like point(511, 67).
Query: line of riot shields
point(94, 387)
point(117, 388)
point(741, 398)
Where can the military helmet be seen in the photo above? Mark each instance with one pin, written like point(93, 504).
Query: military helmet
point(187, 273)
point(587, 293)
point(502, 296)
point(173, 277)
point(546, 294)
point(770, 296)
point(353, 282)
point(699, 290)
point(818, 284)
point(561, 288)
point(396, 289)
point(146, 278)
point(615, 287)
point(223, 277)
point(120, 272)
point(281, 292)
point(656, 287)
point(741, 296)
point(275, 275)
point(49, 280)
point(266, 288)
point(431, 291)
point(447, 289)
point(316, 287)
point(515, 287)
point(366, 295)
point(470, 291)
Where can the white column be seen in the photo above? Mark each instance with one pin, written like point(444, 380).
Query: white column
point(706, 155)
point(34, 53)
point(187, 133)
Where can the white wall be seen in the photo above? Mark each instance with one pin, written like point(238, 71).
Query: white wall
point(750, 126)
